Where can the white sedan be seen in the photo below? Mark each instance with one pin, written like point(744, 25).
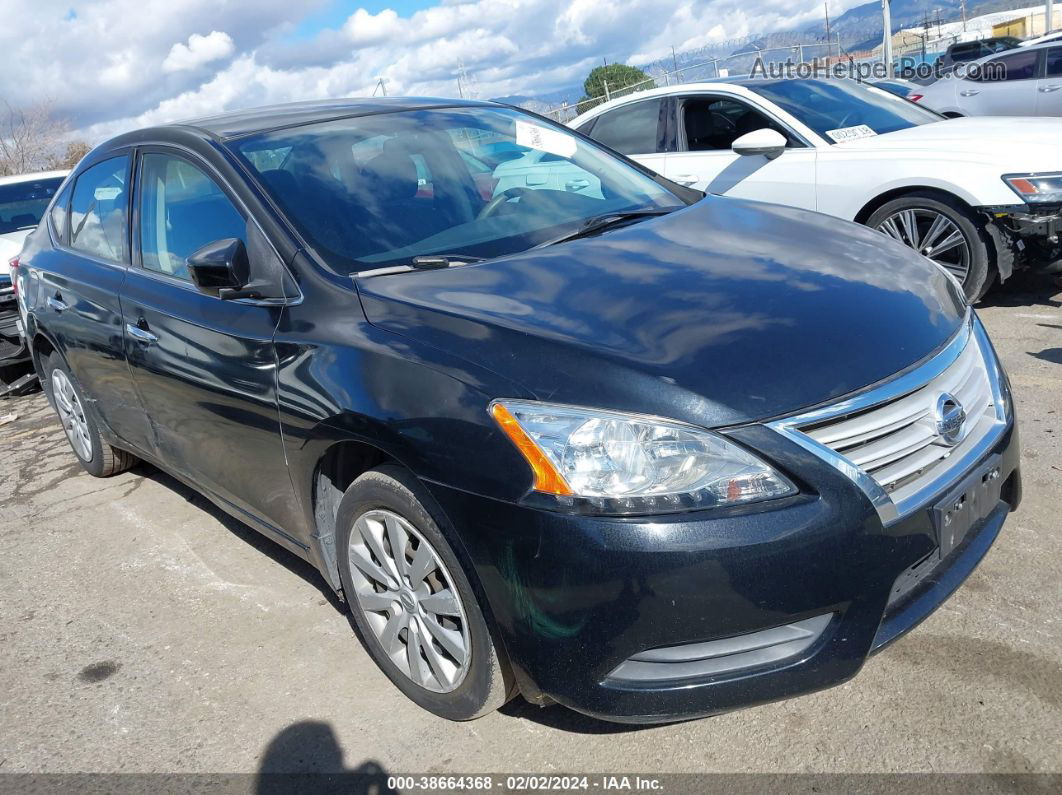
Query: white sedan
point(978, 196)
point(23, 200)
point(1022, 82)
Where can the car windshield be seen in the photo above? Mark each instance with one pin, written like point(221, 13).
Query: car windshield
point(23, 203)
point(380, 190)
point(841, 110)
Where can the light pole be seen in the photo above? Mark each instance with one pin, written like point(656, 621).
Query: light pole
point(886, 50)
point(1049, 20)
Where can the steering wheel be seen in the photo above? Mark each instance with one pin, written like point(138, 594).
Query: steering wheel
point(492, 206)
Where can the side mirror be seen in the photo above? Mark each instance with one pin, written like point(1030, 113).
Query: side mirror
point(221, 268)
point(767, 142)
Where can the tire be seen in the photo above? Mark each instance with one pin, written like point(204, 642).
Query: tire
point(96, 457)
point(388, 502)
point(977, 263)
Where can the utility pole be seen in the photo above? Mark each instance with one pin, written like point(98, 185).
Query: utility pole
point(1049, 18)
point(886, 50)
point(674, 58)
point(829, 41)
point(962, 5)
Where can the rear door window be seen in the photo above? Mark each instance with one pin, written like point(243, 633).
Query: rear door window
point(99, 223)
point(1054, 62)
point(1018, 66)
point(631, 129)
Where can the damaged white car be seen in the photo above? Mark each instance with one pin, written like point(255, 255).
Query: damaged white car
point(980, 196)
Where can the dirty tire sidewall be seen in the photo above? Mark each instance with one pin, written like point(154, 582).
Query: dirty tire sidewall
point(487, 683)
point(977, 278)
point(106, 460)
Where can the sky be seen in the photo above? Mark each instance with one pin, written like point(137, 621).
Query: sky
point(108, 66)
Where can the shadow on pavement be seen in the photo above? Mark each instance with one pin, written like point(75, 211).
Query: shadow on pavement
point(1053, 355)
point(563, 719)
point(306, 757)
point(1025, 289)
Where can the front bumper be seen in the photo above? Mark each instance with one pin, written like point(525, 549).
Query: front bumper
point(575, 597)
point(1025, 236)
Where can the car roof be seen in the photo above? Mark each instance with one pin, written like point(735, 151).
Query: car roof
point(1034, 45)
point(253, 120)
point(734, 84)
point(1015, 51)
point(33, 177)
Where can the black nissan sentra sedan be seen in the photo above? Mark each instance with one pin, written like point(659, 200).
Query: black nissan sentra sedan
point(553, 426)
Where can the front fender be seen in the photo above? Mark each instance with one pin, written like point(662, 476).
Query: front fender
point(977, 184)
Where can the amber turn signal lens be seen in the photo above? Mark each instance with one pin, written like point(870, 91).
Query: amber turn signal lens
point(547, 479)
point(1024, 186)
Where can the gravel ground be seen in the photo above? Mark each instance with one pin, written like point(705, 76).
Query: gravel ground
point(142, 630)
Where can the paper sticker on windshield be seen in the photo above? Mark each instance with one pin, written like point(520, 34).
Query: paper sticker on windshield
point(544, 139)
point(851, 133)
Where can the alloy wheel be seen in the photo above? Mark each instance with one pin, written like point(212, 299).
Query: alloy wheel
point(932, 234)
point(72, 415)
point(409, 599)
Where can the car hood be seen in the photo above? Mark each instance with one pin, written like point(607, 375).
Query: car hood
point(722, 313)
point(1035, 141)
point(10, 246)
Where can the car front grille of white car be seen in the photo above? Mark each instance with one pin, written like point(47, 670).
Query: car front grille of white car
point(908, 439)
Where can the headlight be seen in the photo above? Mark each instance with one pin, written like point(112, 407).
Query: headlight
point(606, 462)
point(1036, 188)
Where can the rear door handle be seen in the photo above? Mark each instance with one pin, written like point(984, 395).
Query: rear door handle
point(577, 184)
point(140, 334)
point(56, 302)
point(970, 92)
point(1049, 89)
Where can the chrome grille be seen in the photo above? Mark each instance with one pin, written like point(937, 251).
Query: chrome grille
point(890, 437)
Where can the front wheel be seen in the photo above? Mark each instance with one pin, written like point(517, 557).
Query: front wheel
point(413, 605)
point(943, 230)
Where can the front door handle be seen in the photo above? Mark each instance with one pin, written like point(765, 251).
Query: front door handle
point(686, 179)
point(970, 92)
point(57, 303)
point(577, 184)
point(1049, 89)
point(140, 334)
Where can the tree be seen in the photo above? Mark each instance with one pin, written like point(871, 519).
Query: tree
point(75, 150)
point(31, 139)
point(617, 76)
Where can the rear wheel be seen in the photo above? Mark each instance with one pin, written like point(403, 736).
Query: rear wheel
point(412, 603)
point(945, 231)
point(94, 454)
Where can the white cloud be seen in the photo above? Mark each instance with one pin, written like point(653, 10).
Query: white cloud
point(199, 51)
point(116, 66)
point(364, 28)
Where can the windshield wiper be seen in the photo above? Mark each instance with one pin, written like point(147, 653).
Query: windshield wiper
point(433, 261)
point(599, 223)
point(425, 262)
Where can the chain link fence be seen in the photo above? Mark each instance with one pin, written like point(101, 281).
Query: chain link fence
point(909, 47)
